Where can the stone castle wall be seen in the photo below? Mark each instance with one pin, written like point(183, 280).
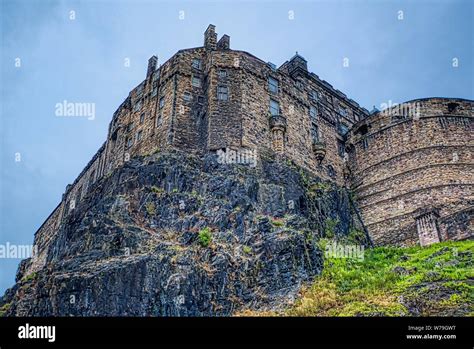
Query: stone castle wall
point(412, 171)
point(210, 98)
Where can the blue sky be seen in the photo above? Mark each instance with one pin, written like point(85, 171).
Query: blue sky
point(82, 60)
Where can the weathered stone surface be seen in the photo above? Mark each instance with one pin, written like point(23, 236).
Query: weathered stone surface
point(132, 245)
point(412, 171)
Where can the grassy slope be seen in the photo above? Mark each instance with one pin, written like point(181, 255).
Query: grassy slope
point(427, 281)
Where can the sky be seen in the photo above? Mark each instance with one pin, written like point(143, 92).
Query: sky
point(51, 51)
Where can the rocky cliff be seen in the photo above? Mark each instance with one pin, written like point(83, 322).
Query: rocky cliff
point(171, 234)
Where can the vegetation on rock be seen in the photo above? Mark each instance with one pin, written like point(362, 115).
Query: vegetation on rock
point(205, 237)
point(437, 280)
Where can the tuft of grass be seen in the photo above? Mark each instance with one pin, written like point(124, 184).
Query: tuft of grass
point(150, 208)
point(330, 227)
point(4, 308)
point(30, 277)
point(277, 222)
point(205, 237)
point(247, 249)
point(157, 190)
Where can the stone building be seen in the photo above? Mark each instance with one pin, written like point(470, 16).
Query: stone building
point(212, 98)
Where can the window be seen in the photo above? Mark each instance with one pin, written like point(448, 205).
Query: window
point(139, 135)
point(222, 93)
point(154, 92)
point(452, 107)
point(142, 118)
point(313, 95)
point(222, 73)
point(314, 132)
point(162, 102)
point(187, 97)
point(158, 119)
point(129, 142)
point(139, 90)
point(365, 144)
point(130, 127)
point(196, 82)
point(200, 99)
point(362, 130)
point(272, 85)
point(196, 63)
point(343, 129)
point(343, 111)
point(274, 107)
point(340, 148)
point(313, 113)
point(138, 105)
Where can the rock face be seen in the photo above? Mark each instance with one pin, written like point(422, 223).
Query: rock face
point(176, 235)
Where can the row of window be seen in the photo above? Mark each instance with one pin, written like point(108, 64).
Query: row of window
point(130, 140)
point(275, 109)
point(197, 82)
point(273, 87)
point(197, 64)
point(313, 95)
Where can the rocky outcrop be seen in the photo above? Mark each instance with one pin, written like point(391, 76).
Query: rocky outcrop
point(176, 235)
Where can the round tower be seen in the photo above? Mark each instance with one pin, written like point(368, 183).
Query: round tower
point(412, 171)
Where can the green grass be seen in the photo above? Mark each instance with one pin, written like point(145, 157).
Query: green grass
point(373, 287)
point(276, 222)
point(205, 237)
point(4, 309)
point(330, 227)
point(157, 190)
point(30, 277)
point(247, 249)
point(150, 208)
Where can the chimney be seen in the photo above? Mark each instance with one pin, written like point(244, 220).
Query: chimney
point(224, 42)
point(297, 65)
point(152, 62)
point(210, 37)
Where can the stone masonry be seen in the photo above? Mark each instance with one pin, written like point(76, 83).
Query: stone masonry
point(411, 170)
point(406, 174)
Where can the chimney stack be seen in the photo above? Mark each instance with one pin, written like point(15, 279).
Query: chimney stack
point(152, 62)
point(210, 37)
point(224, 42)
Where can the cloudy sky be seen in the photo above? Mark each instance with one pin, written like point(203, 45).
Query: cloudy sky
point(76, 51)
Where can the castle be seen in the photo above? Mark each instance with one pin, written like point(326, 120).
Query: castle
point(410, 171)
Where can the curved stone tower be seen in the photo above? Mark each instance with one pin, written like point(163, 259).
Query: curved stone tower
point(411, 170)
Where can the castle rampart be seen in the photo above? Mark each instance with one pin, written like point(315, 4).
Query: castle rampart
point(209, 98)
point(412, 171)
